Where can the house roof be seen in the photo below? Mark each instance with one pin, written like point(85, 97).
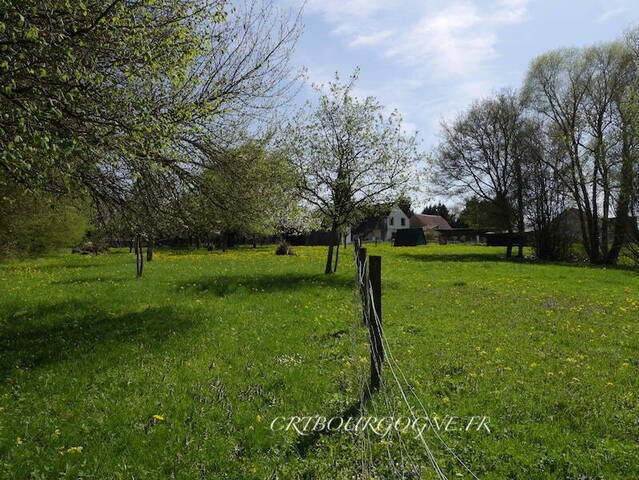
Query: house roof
point(428, 221)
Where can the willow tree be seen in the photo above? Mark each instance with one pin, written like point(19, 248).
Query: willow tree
point(581, 94)
point(349, 155)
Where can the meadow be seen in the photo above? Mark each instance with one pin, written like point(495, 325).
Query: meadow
point(178, 374)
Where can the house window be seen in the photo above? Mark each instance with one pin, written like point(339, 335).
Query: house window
point(403, 220)
point(392, 221)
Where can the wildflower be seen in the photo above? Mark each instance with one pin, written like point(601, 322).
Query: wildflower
point(534, 365)
point(74, 449)
point(550, 374)
point(445, 399)
point(472, 374)
point(19, 441)
point(609, 384)
point(159, 417)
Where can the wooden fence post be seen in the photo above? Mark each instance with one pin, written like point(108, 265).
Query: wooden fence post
point(362, 279)
point(375, 319)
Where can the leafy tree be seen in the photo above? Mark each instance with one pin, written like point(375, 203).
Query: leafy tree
point(33, 223)
point(348, 155)
point(484, 214)
point(107, 97)
point(581, 94)
point(406, 204)
point(252, 192)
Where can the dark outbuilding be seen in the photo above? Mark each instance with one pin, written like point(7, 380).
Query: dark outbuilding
point(409, 237)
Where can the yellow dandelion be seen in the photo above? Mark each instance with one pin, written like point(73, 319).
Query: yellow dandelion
point(609, 384)
point(159, 417)
point(19, 441)
point(75, 449)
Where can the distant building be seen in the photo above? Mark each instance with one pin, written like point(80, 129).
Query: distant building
point(383, 226)
point(409, 237)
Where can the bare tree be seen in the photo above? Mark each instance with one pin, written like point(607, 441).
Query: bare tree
point(482, 151)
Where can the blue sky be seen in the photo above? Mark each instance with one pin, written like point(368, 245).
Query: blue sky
point(431, 58)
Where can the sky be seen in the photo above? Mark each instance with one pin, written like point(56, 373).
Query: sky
point(431, 58)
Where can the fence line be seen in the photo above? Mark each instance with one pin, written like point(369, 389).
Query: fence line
point(369, 286)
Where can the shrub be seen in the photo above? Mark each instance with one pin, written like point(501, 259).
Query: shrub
point(284, 249)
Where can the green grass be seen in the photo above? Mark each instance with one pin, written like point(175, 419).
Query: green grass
point(220, 344)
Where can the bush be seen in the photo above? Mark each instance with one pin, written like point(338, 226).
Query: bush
point(284, 249)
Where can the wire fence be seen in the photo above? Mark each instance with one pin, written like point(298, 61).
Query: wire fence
point(386, 395)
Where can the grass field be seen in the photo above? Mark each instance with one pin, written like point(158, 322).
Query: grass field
point(177, 375)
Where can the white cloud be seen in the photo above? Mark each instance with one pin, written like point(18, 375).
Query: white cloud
point(614, 8)
point(372, 39)
point(443, 49)
point(336, 9)
point(456, 40)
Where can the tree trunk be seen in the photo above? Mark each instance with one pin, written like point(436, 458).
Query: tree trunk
point(329, 258)
point(149, 250)
point(623, 222)
point(521, 227)
point(336, 257)
point(139, 258)
point(509, 244)
point(131, 245)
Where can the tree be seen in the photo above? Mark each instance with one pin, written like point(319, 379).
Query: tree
point(478, 213)
point(581, 95)
point(348, 156)
point(443, 211)
point(406, 204)
point(252, 192)
point(33, 223)
point(482, 153)
point(123, 98)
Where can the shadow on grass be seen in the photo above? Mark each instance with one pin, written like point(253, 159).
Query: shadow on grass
point(354, 410)
point(224, 285)
point(108, 277)
point(501, 258)
point(50, 333)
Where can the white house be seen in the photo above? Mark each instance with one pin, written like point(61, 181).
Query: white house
point(382, 227)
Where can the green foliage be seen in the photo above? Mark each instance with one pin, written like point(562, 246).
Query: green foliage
point(251, 191)
point(478, 213)
point(35, 223)
point(88, 86)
